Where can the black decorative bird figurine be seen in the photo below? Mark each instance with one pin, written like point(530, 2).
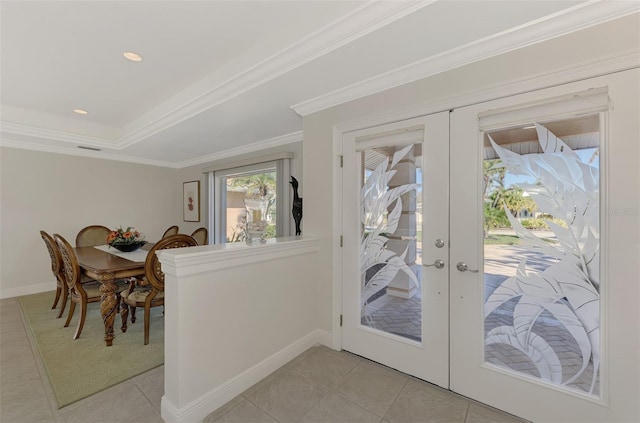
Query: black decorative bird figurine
point(297, 205)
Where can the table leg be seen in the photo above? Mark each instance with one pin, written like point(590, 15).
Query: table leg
point(108, 305)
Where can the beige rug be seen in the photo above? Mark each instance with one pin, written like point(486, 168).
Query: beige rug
point(82, 367)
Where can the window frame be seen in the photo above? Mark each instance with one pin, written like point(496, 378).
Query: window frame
point(217, 195)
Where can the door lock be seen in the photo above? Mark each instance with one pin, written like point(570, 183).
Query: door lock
point(439, 243)
point(438, 264)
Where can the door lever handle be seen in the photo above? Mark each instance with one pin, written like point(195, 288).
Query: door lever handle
point(462, 266)
point(438, 264)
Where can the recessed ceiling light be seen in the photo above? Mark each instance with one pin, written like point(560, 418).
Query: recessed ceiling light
point(81, 111)
point(134, 57)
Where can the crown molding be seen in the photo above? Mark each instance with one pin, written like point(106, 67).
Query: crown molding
point(245, 149)
point(362, 21)
point(53, 135)
point(570, 20)
point(74, 151)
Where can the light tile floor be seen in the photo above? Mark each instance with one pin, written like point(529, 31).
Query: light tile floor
point(320, 385)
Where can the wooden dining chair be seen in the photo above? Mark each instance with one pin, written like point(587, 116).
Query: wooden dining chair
point(92, 235)
point(172, 230)
point(80, 292)
point(57, 269)
point(200, 235)
point(149, 291)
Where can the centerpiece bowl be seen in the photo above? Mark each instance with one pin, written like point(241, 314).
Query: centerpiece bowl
point(126, 240)
point(127, 248)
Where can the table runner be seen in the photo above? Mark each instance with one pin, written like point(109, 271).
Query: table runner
point(137, 256)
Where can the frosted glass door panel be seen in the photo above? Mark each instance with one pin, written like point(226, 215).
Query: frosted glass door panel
point(541, 190)
point(390, 241)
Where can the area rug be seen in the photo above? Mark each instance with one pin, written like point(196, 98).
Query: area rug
point(82, 367)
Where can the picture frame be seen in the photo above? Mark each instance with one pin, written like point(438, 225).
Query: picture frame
point(191, 201)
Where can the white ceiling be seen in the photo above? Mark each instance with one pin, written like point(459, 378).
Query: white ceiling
point(219, 77)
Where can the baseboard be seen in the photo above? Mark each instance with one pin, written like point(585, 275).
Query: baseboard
point(28, 290)
point(198, 409)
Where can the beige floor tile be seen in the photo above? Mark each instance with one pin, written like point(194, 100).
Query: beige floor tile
point(302, 356)
point(23, 395)
point(16, 356)
point(372, 365)
point(326, 368)
point(10, 319)
point(440, 393)
point(119, 404)
point(371, 387)
point(224, 409)
point(417, 403)
point(252, 390)
point(245, 412)
point(151, 384)
point(335, 409)
point(288, 398)
point(479, 413)
point(148, 415)
point(10, 337)
point(26, 411)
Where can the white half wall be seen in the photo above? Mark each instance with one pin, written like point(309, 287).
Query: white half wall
point(233, 314)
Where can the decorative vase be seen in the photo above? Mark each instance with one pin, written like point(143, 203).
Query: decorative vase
point(256, 225)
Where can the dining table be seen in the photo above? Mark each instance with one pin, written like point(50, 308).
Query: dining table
point(106, 265)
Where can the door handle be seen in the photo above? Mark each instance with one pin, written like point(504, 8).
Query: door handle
point(462, 266)
point(438, 264)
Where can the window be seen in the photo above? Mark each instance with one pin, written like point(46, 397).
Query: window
point(262, 187)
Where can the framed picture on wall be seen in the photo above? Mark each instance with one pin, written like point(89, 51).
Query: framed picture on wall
point(191, 201)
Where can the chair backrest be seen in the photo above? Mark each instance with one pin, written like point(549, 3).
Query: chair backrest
point(173, 230)
point(70, 263)
point(57, 267)
point(152, 270)
point(200, 235)
point(93, 235)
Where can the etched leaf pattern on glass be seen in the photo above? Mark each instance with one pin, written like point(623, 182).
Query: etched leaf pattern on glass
point(569, 289)
point(376, 199)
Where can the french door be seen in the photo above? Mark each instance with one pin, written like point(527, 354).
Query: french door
point(395, 223)
point(493, 250)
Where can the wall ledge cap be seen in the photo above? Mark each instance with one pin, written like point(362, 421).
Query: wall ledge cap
point(191, 261)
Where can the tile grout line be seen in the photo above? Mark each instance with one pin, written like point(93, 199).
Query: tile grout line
point(384, 416)
point(255, 405)
point(146, 396)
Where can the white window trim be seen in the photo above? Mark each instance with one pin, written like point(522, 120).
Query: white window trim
point(217, 201)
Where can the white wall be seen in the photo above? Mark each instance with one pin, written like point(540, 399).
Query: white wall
point(61, 194)
point(510, 71)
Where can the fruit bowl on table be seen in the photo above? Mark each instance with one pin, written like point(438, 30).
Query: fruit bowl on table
point(127, 248)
